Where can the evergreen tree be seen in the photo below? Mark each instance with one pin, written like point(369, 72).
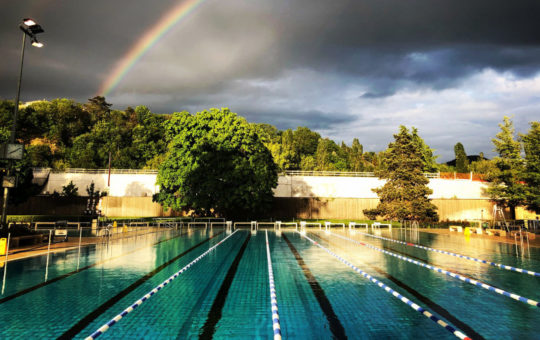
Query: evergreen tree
point(531, 174)
point(98, 108)
point(462, 162)
point(506, 188)
point(356, 159)
point(428, 158)
point(404, 196)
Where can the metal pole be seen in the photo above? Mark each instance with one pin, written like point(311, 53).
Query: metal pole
point(13, 129)
point(109, 177)
point(6, 263)
point(48, 253)
point(79, 254)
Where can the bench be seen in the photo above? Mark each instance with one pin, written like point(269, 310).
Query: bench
point(496, 232)
point(457, 228)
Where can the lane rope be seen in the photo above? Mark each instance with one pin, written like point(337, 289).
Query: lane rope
point(139, 302)
point(394, 293)
point(451, 274)
point(494, 264)
point(273, 296)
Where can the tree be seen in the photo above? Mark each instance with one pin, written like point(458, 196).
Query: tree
point(462, 162)
point(98, 108)
point(216, 164)
point(404, 196)
point(428, 159)
point(286, 156)
point(305, 141)
point(70, 190)
point(326, 154)
point(506, 188)
point(531, 173)
point(356, 156)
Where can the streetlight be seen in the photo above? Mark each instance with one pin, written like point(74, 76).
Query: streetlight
point(13, 151)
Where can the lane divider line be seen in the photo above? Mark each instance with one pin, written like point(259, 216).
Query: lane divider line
point(394, 293)
point(139, 302)
point(494, 264)
point(273, 296)
point(451, 274)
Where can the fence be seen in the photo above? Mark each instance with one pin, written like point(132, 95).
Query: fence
point(341, 173)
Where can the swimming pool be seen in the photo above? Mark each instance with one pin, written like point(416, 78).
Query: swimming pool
point(225, 294)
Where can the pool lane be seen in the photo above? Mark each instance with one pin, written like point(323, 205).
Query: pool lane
point(301, 316)
point(59, 306)
point(181, 309)
point(364, 309)
point(16, 283)
point(336, 328)
point(431, 305)
point(491, 315)
point(518, 283)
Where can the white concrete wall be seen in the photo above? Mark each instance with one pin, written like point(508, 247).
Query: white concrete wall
point(360, 187)
point(121, 184)
point(288, 186)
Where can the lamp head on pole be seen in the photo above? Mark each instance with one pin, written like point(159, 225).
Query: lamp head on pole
point(36, 43)
point(31, 28)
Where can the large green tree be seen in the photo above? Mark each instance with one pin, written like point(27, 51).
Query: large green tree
point(531, 174)
point(506, 188)
point(216, 164)
point(404, 196)
point(462, 162)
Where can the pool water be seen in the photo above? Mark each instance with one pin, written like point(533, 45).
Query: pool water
point(226, 293)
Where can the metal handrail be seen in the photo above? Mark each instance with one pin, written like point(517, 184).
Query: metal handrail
point(98, 171)
point(343, 173)
point(286, 172)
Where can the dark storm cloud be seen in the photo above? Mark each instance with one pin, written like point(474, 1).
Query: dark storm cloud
point(324, 64)
point(292, 119)
point(364, 39)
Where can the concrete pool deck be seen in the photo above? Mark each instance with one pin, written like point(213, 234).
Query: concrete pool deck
point(73, 243)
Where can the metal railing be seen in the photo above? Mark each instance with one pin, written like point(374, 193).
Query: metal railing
point(450, 175)
point(343, 173)
point(97, 171)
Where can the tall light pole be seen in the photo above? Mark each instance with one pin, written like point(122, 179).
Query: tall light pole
point(11, 151)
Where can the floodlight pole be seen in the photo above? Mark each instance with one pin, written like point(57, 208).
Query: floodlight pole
point(13, 129)
point(27, 30)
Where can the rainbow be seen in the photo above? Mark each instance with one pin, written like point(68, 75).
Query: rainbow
point(148, 40)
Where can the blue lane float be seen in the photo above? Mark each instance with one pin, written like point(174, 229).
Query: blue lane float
point(459, 334)
point(139, 302)
point(443, 271)
point(494, 264)
point(273, 296)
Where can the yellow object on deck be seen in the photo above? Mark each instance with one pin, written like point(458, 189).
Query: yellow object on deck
point(3, 246)
point(115, 225)
point(467, 231)
point(125, 229)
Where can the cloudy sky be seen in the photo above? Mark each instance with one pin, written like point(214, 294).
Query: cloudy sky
point(345, 68)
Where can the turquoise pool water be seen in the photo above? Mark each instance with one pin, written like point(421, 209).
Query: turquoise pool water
point(226, 294)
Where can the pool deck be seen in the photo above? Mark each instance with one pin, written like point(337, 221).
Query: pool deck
point(502, 239)
point(42, 248)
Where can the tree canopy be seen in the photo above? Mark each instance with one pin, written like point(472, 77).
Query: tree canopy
point(216, 164)
point(506, 188)
point(531, 173)
point(462, 162)
point(404, 196)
